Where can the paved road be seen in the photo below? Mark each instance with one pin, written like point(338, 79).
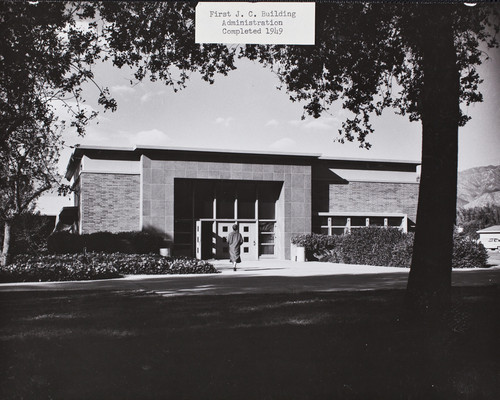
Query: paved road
point(266, 277)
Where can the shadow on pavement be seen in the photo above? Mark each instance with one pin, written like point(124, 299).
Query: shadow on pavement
point(229, 283)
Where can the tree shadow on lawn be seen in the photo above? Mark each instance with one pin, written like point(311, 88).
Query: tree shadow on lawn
point(248, 284)
point(349, 345)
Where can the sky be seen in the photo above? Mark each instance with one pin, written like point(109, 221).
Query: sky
point(246, 111)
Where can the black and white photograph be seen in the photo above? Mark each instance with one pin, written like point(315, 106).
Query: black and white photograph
point(249, 200)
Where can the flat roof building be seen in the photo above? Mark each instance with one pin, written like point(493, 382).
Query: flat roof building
point(194, 196)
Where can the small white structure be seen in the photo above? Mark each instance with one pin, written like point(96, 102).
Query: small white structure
point(490, 237)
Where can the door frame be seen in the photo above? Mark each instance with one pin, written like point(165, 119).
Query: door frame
point(204, 223)
point(253, 241)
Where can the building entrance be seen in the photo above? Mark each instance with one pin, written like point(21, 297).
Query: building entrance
point(249, 246)
point(206, 210)
point(258, 239)
point(248, 232)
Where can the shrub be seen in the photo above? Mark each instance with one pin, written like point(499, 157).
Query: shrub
point(468, 253)
point(316, 245)
point(155, 264)
point(370, 246)
point(375, 246)
point(64, 243)
point(122, 242)
point(65, 267)
point(402, 252)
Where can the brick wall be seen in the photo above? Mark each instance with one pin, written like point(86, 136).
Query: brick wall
point(375, 197)
point(109, 202)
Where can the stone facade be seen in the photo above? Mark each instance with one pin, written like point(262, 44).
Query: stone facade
point(109, 202)
point(294, 205)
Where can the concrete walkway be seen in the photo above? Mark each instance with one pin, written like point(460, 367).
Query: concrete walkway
point(265, 276)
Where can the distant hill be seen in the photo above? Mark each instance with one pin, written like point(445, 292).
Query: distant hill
point(478, 187)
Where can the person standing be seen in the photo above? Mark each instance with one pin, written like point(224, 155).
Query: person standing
point(235, 240)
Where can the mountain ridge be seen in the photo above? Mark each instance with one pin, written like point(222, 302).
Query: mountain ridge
point(478, 187)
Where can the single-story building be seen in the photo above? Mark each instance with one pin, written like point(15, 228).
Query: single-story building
point(490, 237)
point(194, 196)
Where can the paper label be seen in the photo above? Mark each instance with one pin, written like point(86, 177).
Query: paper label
point(255, 23)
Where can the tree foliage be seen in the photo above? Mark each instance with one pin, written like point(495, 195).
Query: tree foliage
point(421, 60)
point(156, 39)
point(46, 54)
point(370, 57)
point(367, 56)
point(418, 59)
point(474, 219)
point(30, 232)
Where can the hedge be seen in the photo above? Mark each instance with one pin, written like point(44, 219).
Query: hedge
point(121, 242)
point(368, 246)
point(468, 253)
point(66, 267)
point(317, 246)
point(155, 264)
point(390, 247)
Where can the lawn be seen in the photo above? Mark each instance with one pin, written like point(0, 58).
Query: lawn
point(343, 345)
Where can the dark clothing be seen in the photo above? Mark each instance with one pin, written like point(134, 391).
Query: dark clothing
point(235, 240)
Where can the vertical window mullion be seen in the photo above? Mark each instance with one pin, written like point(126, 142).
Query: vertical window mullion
point(215, 204)
point(235, 206)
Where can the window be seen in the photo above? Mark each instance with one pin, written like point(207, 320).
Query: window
point(226, 194)
point(204, 200)
point(331, 224)
point(266, 238)
point(246, 200)
point(268, 196)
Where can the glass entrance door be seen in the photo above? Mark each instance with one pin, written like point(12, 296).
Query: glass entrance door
point(267, 238)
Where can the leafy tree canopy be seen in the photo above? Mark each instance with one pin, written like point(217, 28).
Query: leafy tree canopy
point(46, 54)
point(368, 56)
point(473, 219)
point(418, 59)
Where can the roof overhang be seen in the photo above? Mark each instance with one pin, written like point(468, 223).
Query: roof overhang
point(228, 155)
point(491, 229)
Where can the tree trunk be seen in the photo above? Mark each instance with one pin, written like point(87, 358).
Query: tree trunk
point(429, 283)
point(6, 243)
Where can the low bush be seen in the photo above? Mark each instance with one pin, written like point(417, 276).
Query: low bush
point(316, 245)
point(363, 246)
point(391, 247)
point(370, 246)
point(154, 264)
point(468, 254)
point(64, 267)
point(89, 266)
point(121, 242)
point(402, 252)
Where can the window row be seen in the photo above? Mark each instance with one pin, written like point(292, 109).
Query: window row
point(197, 199)
point(338, 225)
